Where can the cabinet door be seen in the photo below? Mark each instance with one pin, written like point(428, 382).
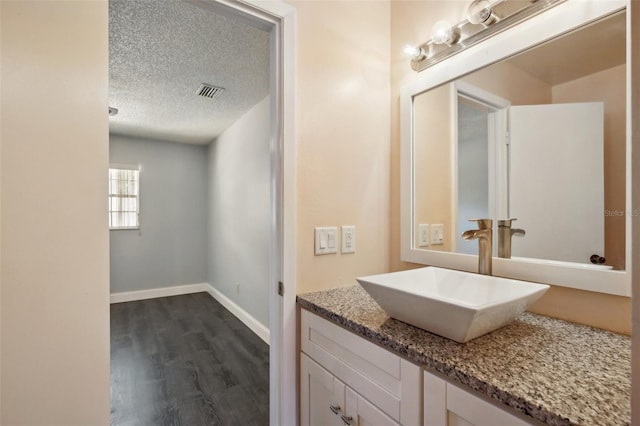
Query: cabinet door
point(360, 412)
point(435, 400)
point(321, 395)
point(381, 377)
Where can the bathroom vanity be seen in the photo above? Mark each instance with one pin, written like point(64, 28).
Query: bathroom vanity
point(359, 366)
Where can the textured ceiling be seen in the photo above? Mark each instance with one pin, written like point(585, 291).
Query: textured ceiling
point(160, 51)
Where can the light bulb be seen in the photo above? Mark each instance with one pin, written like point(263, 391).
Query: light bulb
point(479, 12)
point(443, 33)
point(414, 52)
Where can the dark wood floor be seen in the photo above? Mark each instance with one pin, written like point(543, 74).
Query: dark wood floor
point(185, 360)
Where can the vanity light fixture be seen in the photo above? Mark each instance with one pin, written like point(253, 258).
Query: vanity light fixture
point(443, 32)
point(414, 52)
point(485, 18)
point(480, 12)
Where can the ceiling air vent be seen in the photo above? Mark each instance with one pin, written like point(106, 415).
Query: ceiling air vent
point(209, 91)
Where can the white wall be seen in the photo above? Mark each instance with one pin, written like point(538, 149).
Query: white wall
point(170, 247)
point(239, 212)
point(55, 270)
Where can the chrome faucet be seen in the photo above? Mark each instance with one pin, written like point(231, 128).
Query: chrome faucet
point(505, 232)
point(484, 235)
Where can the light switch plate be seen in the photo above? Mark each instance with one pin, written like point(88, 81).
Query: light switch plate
point(437, 234)
point(348, 238)
point(325, 240)
point(423, 235)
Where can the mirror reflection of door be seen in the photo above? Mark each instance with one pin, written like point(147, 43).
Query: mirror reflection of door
point(481, 158)
point(558, 151)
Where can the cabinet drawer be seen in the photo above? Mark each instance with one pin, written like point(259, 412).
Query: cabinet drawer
point(464, 409)
point(450, 405)
point(381, 377)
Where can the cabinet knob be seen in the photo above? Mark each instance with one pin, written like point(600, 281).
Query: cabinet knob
point(346, 420)
point(334, 408)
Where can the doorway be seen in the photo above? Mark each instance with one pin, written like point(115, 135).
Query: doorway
point(278, 20)
point(479, 146)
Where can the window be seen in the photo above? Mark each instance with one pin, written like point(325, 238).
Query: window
point(124, 189)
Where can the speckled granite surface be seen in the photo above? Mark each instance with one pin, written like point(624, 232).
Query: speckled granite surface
point(556, 372)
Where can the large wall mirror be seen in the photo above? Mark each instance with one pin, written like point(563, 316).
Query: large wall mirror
point(534, 125)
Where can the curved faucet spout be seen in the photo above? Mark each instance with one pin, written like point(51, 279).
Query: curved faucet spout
point(518, 232)
point(469, 235)
point(484, 235)
point(473, 234)
point(505, 232)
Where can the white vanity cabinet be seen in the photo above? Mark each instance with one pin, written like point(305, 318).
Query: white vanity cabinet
point(446, 404)
point(326, 401)
point(347, 380)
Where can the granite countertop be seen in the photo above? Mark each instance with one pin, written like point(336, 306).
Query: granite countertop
point(555, 371)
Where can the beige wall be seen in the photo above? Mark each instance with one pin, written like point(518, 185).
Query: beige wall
point(54, 142)
point(607, 86)
point(410, 23)
point(342, 137)
point(511, 83)
point(432, 152)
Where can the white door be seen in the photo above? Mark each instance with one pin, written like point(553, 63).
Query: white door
point(557, 180)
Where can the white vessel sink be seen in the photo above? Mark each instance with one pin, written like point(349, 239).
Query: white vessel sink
point(454, 304)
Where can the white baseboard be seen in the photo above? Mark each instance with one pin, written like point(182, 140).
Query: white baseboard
point(257, 327)
point(152, 293)
point(254, 325)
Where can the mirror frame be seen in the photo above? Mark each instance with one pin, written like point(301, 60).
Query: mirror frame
point(564, 18)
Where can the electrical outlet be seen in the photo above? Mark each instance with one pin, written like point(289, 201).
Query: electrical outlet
point(348, 238)
point(423, 235)
point(437, 234)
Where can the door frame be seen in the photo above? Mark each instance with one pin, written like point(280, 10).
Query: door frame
point(278, 19)
point(498, 156)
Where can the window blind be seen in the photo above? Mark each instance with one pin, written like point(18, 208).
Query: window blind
point(124, 187)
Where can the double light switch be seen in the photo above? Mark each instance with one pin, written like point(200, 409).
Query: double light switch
point(326, 239)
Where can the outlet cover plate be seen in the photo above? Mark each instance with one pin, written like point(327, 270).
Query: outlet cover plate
point(437, 234)
point(348, 238)
point(423, 235)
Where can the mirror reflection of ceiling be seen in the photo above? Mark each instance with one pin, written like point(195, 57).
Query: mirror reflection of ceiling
point(597, 47)
point(160, 51)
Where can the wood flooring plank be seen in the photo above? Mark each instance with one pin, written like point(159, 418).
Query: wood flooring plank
point(186, 361)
